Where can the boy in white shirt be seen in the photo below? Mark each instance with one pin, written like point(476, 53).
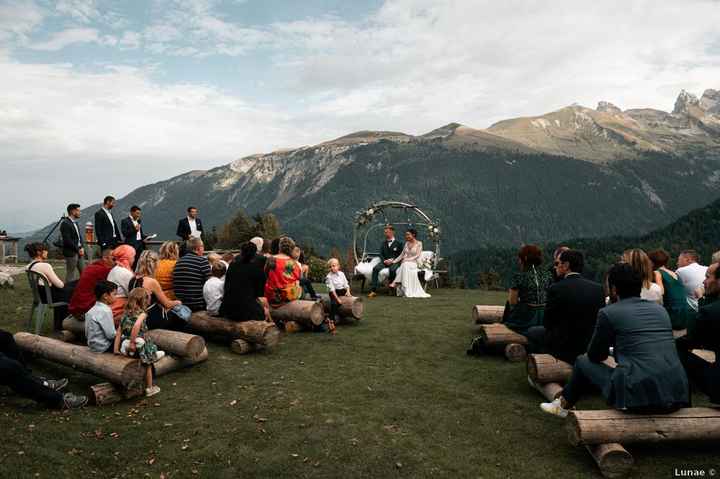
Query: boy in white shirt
point(99, 324)
point(337, 285)
point(214, 288)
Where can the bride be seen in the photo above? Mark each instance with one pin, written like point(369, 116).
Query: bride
point(406, 278)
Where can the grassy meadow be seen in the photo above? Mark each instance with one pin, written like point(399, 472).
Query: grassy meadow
point(392, 396)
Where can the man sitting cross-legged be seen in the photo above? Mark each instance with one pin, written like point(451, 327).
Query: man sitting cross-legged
point(705, 334)
point(391, 249)
point(649, 376)
point(571, 310)
point(15, 374)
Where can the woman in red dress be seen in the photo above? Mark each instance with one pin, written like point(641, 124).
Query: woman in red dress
point(283, 276)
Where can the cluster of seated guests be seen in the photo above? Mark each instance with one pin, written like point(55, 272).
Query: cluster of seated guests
point(632, 318)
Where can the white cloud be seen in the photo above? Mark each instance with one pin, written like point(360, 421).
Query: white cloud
point(71, 36)
point(18, 19)
point(130, 40)
point(82, 10)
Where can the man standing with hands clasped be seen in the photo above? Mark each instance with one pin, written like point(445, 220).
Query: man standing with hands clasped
point(391, 249)
point(73, 245)
point(131, 228)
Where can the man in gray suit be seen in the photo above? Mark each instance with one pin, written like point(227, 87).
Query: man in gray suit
point(73, 243)
point(649, 376)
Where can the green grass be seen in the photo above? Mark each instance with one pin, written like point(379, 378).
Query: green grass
point(392, 396)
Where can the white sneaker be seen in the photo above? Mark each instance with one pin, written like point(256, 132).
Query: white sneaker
point(159, 355)
point(151, 391)
point(554, 408)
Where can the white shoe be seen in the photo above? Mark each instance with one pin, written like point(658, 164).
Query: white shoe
point(159, 355)
point(152, 391)
point(554, 408)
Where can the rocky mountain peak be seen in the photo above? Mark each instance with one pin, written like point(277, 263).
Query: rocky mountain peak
point(684, 101)
point(443, 131)
point(607, 107)
point(710, 101)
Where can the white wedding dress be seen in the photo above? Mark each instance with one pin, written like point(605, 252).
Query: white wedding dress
point(406, 277)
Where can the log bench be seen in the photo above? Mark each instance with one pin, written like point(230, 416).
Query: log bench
point(351, 307)
point(484, 314)
point(244, 337)
point(308, 314)
point(498, 338)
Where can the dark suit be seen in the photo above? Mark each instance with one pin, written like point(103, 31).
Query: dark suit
point(389, 250)
point(183, 228)
point(649, 375)
point(128, 230)
point(104, 230)
point(571, 310)
point(72, 241)
point(704, 374)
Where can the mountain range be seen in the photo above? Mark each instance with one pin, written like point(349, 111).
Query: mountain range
point(575, 172)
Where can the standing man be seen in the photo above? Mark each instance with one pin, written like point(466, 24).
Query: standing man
point(73, 245)
point(190, 226)
point(107, 233)
point(131, 228)
point(391, 249)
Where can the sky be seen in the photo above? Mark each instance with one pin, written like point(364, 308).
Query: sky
point(100, 97)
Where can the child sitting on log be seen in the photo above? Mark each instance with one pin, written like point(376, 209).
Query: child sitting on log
point(130, 337)
point(214, 287)
point(99, 324)
point(337, 285)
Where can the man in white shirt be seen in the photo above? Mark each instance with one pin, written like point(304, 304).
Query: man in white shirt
point(692, 276)
point(214, 288)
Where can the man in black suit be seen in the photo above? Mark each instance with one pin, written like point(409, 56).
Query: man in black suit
point(571, 311)
point(391, 249)
point(131, 228)
point(107, 232)
point(73, 245)
point(190, 226)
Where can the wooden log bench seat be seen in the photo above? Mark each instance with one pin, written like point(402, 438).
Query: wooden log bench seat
point(244, 337)
point(351, 307)
point(306, 314)
point(484, 314)
point(498, 338)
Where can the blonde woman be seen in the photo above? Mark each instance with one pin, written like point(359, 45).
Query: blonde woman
point(642, 265)
point(157, 316)
point(169, 254)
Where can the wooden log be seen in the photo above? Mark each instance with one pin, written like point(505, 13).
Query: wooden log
point(260, 332)
point(705, 354)
point(515, 353)
point(307, 313)
point(103, 394)
point(116, 369)
point(613, 460)
point(240, 346)
point(350, 306)
point(483, 314)
point(606, 426)
point(499, 335)
point(544, 368)
point(169, 363)
point(174, 342)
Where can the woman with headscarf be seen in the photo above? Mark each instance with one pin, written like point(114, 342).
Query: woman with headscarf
point(121, 274)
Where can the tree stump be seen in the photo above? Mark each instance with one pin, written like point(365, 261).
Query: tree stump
point(103, 394)
point(307, 313)
point(240, 346)
point(260, 332)
point(515, 353)
point(350, 306)
point(483, 314)
point(116, 369)
point(169, 364)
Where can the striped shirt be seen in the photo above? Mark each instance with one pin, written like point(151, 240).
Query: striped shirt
point(191, 272)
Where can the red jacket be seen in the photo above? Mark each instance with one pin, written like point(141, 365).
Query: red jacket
point(83, 297)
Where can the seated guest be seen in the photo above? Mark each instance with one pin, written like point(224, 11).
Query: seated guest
point(169, 254)
point(83, 297)
point(649, 376)
point(275, 247)
point(705, 335)
point(159, 314)
point(244, 294)
point(214, 288)
point(570, 311)
point(556, 257)
point(674, 298)
point(637, 258)
point(121, 274)
point(99, 324)
point(305, 282)
point(60, 291)
point(190, 274)
point(390, 249)
point(692, 275)
point(283, 275)
point(15, 374)
point(715, 257)
point(526, 297)
point(337, 285)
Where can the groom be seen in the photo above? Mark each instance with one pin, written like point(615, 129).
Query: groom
point(391, 249)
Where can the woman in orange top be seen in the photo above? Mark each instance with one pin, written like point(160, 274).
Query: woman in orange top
point(169, 254)
point(283, 276)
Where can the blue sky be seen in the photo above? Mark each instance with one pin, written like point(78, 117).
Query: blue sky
point(102, 97)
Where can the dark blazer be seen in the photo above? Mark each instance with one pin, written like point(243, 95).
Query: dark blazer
point(392, 251)
point(571, 311)
point(183, 228)
point(244, 284)
point(707, 336)
point(128, 231)
point(649, 374)
point(104, 230)
point(71, 241)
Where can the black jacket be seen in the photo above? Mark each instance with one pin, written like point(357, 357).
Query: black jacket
point(244, 284)
point(104, 230)
point(392, 251)
point(183, 228)
point(571, 311)
point(128, 230)
point(71, 241)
